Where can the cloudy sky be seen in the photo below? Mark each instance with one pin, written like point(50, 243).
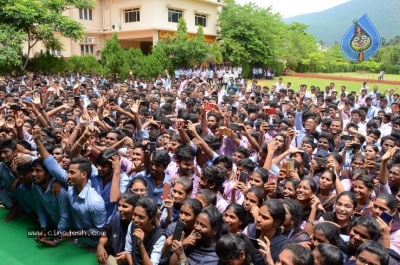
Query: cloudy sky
point(289, 8)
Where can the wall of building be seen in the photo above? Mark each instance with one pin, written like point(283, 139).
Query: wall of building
point(153, 22)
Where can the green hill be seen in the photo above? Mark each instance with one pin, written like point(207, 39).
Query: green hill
point(330, 25)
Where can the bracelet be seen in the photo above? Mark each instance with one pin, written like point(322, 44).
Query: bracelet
point(310, 222)
point(39, 115)
point(79, 144)
point(182, 262)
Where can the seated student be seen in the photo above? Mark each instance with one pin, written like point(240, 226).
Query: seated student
point(245, 166)
point(235, 217)
point(8, 149)
point(181, 191)
point(363, 229)
point(371, 252)
point(390, 235)
point(48, 205)
point(252, 202)
point(24, 190)
point(208, 229)
point(155, 175)
point(345, 206)
point(268, 224)
point(144, 241)
point(113, 242)
point(189, 211)
point(291, 226)
point(291, 254)
point(184, 166)
point(235, 249)
point(138, 186)
point(225, 164)
point(327, 254)
point(325, 232)
point(212, 178)
point(206, 197)
point(87, 206)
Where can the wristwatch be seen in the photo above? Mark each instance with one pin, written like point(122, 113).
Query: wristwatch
point(183, 262)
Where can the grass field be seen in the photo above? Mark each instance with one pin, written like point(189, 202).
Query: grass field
point(364, 75)
point(322, 83)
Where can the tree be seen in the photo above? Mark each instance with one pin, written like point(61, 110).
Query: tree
point(199, 50)
point(34, 21)
point(216, 53)
point(250, 34)
point(114, 58)
point(179, 51)
point(297, 44)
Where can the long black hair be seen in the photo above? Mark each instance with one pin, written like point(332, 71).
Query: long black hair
point(230, 246)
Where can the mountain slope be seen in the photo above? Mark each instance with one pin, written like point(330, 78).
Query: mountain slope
point(330, 25)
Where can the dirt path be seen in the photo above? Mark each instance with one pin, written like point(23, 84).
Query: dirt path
point(345, 78)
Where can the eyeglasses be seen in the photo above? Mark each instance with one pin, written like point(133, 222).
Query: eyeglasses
point(364, 261)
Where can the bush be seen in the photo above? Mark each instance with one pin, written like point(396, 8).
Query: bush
point(83, 64)
point(45, 62)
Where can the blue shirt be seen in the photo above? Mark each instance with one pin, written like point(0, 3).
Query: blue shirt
point(95, 182)
point(6, 180)
point(153, 191)
point(57, 207)
point(24, 196)
point(88, 211)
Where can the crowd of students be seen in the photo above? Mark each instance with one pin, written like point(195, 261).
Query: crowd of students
point(184, 170)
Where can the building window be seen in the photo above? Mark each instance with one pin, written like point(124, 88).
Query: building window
point(85, 14)
point(56, 53)
point(87, 49)
point(174, 15)
point(132, 15)
point(200, 20)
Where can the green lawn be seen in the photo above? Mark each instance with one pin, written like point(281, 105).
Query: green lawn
point(364, 75)
point(322, 83)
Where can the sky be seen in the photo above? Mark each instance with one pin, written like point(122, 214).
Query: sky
point(290, 8)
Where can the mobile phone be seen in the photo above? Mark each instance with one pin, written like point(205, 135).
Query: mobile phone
point(15, 100)
point(15, 107)
point(77, 98)
point(180, 225)
point(207, 106)
point(252, 98)
point(234, 127)
point(39, 91)
point(376, 167)
point(167, 191)
point(386, 217)
point(254, 242)
point(355, 146)
point(297, 132)
point(151, 147)
point(109, 121)
point(270, 111)
point(347, 137)
point(322, 162)
point(271, 127)
point(243, 177)
point(234, 110)
point(83, 85)
point(225, 132)
point(111, 100)
point(291, 164)
point(326, 110)
point(272, 178)
point(144, 103)
point(285, 167)
point(28, 99)
point(124, 88)
point(229, 108)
